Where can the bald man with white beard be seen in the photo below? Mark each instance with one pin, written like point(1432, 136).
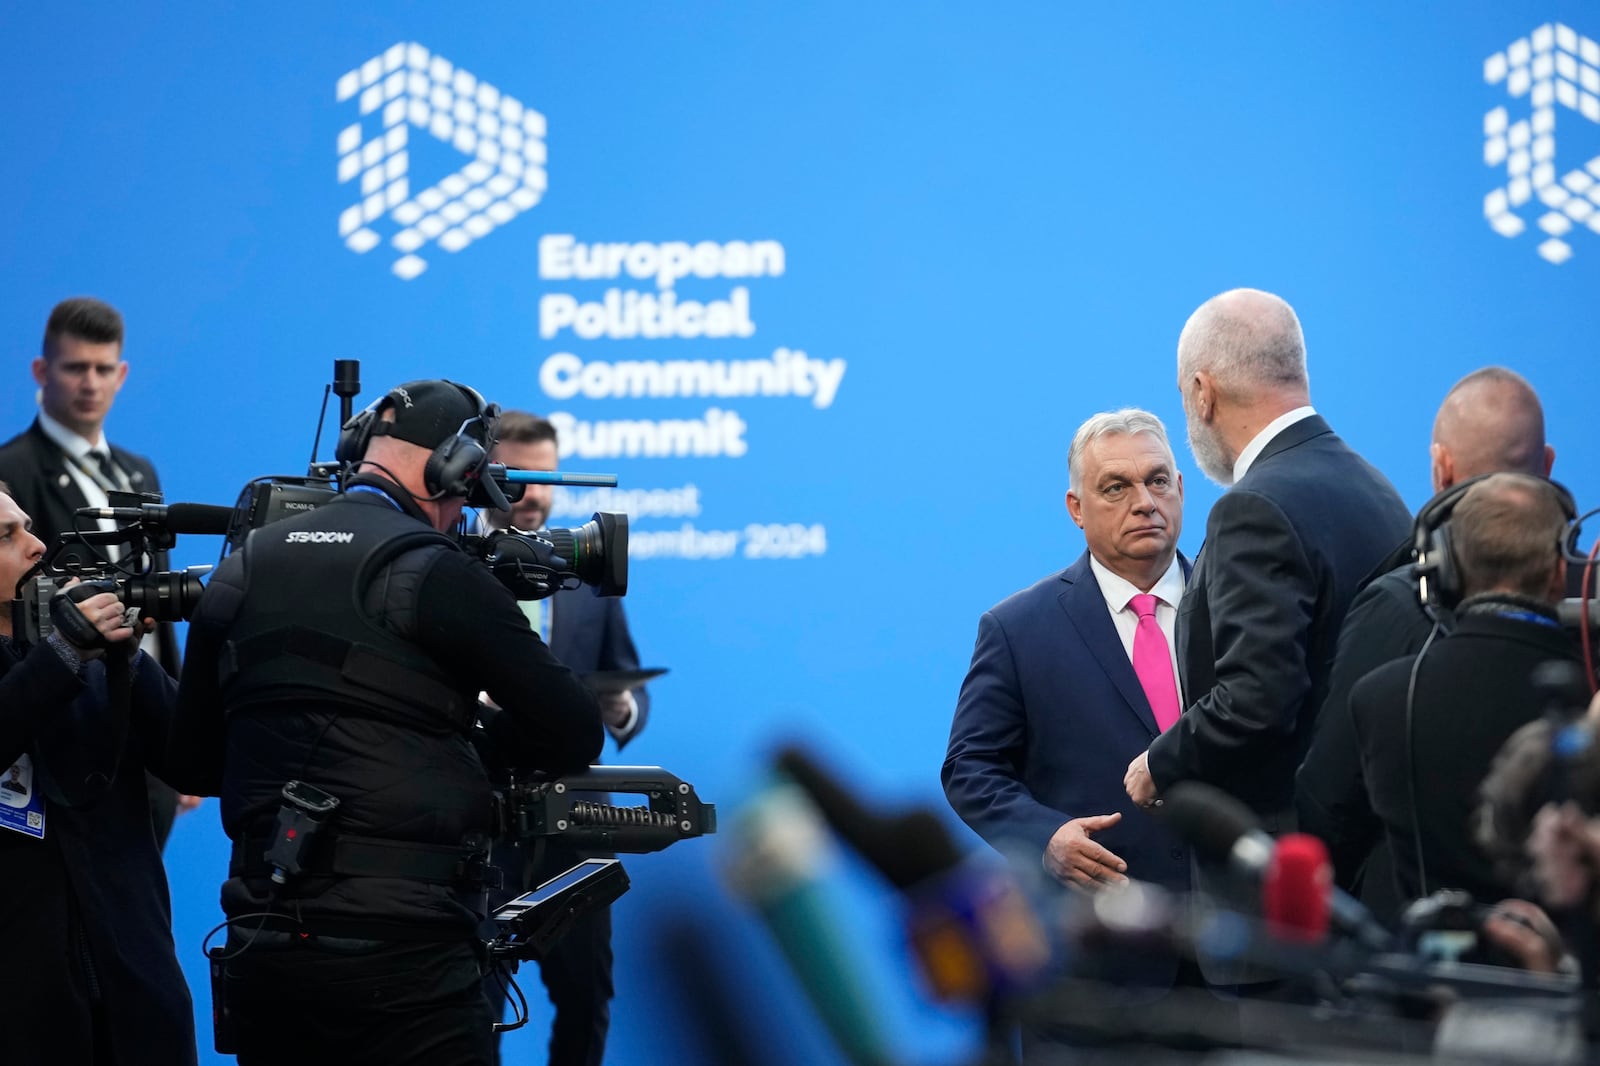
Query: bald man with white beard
point(1304, 520)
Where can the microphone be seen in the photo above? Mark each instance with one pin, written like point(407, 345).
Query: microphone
point(1296, 898)
point(906, 849)
point(194, 518)
point(971, 928)
point(1224, 830)
point(780, 867)
point(500, 472)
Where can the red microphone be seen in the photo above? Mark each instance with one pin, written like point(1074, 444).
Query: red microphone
point(1297, 889)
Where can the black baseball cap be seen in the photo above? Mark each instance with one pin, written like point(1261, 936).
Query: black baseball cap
point(430, 412)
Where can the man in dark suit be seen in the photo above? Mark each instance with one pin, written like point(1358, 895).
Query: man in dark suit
point(1305, 519)
point(63, 461)
point(1490, 421)
point(588, 633)
point(1052, 706)
point(1429, 725)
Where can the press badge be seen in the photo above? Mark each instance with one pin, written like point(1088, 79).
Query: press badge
point(21, 807)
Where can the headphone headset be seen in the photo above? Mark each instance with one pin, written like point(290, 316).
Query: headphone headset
point(1438, 575)
point(456, 465)
point(1437, 570)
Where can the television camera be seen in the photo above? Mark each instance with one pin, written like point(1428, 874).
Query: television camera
point(120, 560)
point(532, 564)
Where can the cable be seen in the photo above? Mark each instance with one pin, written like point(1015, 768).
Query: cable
point(1411, 761)
point(1583, 616)
point(228, 922)
point(508, 985)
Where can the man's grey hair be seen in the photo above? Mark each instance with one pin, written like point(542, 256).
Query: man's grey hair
point(1247, 340)
point(1126, 422)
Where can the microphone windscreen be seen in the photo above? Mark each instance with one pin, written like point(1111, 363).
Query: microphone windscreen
point(1207, 817)
point(201, 518)
point(1297, 890)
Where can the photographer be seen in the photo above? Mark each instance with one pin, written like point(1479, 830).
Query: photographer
point(86, 920)
point(344, 649)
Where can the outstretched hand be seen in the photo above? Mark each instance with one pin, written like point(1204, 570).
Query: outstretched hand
point(1073, 858)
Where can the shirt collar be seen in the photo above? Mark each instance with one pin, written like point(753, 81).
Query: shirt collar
point(1259, 442)
point(1118, 590)
point(69, 441)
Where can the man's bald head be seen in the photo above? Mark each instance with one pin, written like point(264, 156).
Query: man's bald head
point(1248, 340)
point(1491, 421)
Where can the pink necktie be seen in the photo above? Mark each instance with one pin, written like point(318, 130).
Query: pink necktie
point(1153, 663)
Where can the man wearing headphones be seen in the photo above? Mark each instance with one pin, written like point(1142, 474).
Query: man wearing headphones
point(1429, 725)
point(343, 650)
point(1491, 421)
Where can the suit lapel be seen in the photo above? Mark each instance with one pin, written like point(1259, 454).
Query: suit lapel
point(1085, 608)
point(58, 481)
point(137, 482)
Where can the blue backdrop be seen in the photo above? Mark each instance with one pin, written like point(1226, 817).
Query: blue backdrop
point(907, 250)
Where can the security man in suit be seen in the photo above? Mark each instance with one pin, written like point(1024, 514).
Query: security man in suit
point(63, 461)
point(587, 633)
point(1074, 675)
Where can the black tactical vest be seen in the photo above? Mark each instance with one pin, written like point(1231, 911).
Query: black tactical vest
point(303, 631)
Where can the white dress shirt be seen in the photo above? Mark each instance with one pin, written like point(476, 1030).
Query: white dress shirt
point(80, 462)
point(1259, 442)
point(1119, 593)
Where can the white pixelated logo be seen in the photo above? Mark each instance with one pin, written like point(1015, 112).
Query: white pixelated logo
point(1552, 65)
point(407, 86)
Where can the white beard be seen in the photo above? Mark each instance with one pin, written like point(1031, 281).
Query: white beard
point(1208, 449)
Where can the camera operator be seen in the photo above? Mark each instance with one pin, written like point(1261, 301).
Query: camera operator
point(86, 920)
point(344, 649)
point(1429, 725)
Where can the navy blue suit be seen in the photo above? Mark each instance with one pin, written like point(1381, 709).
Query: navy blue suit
point(589, 633)
point(1049, 716)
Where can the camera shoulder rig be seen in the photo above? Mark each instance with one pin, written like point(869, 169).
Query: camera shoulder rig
point(567, 808)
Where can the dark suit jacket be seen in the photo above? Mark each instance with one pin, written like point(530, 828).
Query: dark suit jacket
point(1286, 548)
point(1048, 718)
point(36, 469)
point(95, 880)
point(1385, 622)
point(589, 633)
point(1473, 692)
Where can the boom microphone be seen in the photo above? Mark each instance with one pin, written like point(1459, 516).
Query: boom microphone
point(1224, 830)
point(192, 518)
